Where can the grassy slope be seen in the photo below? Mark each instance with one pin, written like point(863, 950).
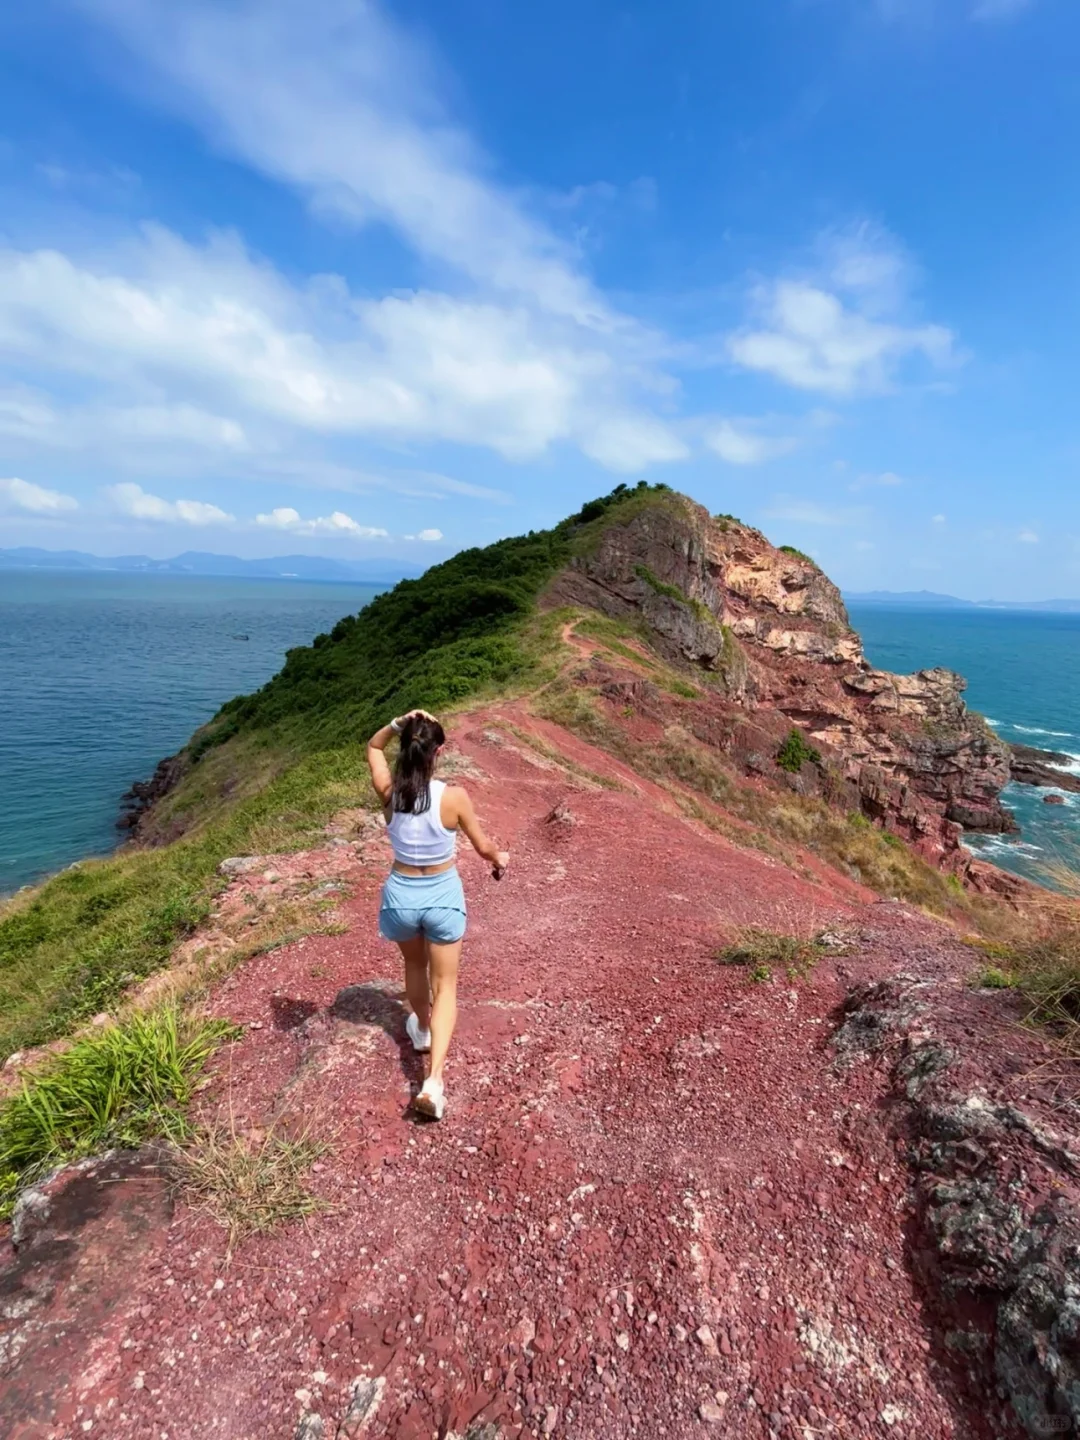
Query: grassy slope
point(273, 766)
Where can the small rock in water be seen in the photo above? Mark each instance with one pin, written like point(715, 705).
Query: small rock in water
point(1053, 800)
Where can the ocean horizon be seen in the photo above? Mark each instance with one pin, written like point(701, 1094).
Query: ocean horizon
point(107, 673)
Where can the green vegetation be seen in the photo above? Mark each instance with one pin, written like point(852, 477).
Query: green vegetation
point(992, 977)
point(611, 633)
point(660, 586)
point(798, 554)
point(249, 1185)
point(118, 1087)
point(795, 752)
point(271, 768)
point(749, 815)
point(763, 951)
point(725, 522)
point(672, 592)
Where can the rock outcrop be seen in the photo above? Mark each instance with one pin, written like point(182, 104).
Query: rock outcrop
point(769, 631)
point(1042, 767)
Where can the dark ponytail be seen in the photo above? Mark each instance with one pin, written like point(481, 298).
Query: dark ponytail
point(420, 741)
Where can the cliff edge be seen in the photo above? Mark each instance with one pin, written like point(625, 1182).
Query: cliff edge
point(766, 628)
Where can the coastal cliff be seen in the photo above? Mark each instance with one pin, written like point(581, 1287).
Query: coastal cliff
point(744, 1131)
point(770, 633)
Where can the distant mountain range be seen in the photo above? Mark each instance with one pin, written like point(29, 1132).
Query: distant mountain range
point(929, 600)
point(195, 562)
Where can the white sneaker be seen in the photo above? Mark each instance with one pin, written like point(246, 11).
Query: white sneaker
point(421, 1039)
point(432, 1100)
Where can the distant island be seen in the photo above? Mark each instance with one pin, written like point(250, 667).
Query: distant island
point(930, 600)
point(197, 562)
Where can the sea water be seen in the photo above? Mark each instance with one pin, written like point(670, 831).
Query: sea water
point(103, 675)
point(1023, 674)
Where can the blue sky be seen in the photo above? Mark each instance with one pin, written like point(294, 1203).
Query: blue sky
point(364, 279)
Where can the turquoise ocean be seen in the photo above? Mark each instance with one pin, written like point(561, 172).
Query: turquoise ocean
point(102, 675)
point(1023, 674)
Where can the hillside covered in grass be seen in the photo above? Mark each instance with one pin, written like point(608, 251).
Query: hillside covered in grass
point(743, 685)
point(271, 768)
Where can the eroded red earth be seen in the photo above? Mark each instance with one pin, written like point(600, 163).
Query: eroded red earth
point(655, 1207)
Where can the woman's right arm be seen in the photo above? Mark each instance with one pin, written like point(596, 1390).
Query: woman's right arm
point(478, 840)
point(381, 778)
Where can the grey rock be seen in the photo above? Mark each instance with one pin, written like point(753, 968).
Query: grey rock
point(311, 1427)
point(241, 864)
point(364, 1397)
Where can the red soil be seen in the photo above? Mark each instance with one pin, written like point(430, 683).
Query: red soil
point(654, 1208)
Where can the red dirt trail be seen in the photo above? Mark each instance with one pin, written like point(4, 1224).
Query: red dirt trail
point(654, 1208)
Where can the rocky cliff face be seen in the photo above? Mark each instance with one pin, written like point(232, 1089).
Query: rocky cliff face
point(770, 632)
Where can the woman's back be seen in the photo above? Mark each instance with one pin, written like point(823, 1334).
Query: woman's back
point(421, 838)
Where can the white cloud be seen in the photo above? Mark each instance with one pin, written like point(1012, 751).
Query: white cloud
point(841, 331)
point(738, 443)
point(337, 100)
point(426, 535)
point(809, 512)
point(134, 501)
point(887, 480)
point(628, 442)
point(998, 9)
point(214, 320)
point(22, 495)
point(939, 520)
point(337, 524)
point(1028, 537)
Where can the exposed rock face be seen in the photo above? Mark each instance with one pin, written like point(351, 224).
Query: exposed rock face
point(770, 631)
point(1039, 767)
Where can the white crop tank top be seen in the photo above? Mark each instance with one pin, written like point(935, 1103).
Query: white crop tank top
point(423, 839)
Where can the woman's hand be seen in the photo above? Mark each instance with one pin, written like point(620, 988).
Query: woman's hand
point(502, 859)
point(412, 715)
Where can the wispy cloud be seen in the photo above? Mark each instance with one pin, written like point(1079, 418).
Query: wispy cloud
point(1028, 537)
point(338, 525)
point(999, 9)
point(809, 512)
point(743, 442)
point(132, 500)
point(886, 480)
point(841, 329)
point(35, 499)
point(429, 537)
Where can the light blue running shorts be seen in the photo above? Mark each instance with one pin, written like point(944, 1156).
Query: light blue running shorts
point(428, 905)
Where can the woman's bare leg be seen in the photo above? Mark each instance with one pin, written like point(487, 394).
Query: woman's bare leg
point(444, 960)
point(414, 953)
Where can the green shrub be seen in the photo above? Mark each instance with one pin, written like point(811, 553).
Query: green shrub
point(118, 1087)
point(271, 767)
point(795, 752)
point(761, 950)
point(798, 554)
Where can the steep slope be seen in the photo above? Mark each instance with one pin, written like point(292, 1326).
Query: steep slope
point(658, 1205)
point(770, 630)
point(758, 636)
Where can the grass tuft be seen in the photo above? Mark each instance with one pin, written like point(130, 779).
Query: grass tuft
point(249, 1184)
point(763, 951)
point(119, 1087)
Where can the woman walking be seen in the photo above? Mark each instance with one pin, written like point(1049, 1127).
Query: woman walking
point(423, 904)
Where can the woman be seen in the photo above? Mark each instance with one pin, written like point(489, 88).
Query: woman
point(423, 904)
